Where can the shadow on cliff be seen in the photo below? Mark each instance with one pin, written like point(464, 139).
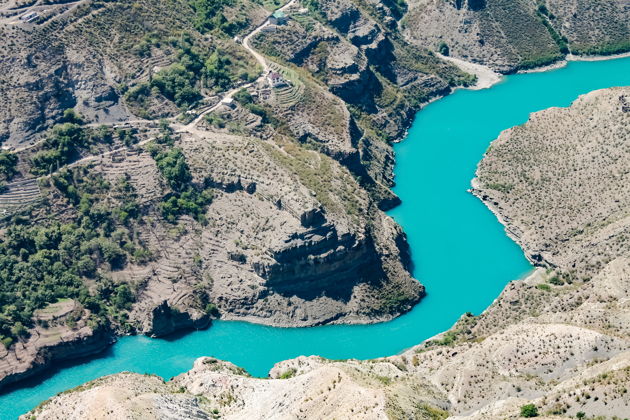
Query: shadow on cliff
point(339, 287)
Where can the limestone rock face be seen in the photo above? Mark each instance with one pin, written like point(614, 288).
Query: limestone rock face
point(284, 253)
point(39, 83)
point(295, 234)
point(165, 320)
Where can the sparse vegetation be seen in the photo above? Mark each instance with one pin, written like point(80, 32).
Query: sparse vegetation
point(289, 373)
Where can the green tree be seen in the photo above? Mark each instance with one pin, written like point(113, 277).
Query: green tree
point(444, 49)
point(60, 147)
point(8, 164)
point(123, 297)
point(18, 330)
point(173, 167)
point(71, 116)
point(177, 84)
point(216, 70)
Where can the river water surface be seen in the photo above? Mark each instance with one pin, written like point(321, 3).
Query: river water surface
point(460, 251)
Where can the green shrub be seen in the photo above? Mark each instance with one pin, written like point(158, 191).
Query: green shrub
point(6, 341)
point(215, 120)
point(209, 17)
point(71, 116)
point(289, 373)
point(216, 70)
point(443, 48)
point(529, 410)
point(8, 164)
point(243, 97)
point(556, 281)
point(122, 297)
point(177, 84)
point(191, 202)
point(61, 146)
point(211, 309)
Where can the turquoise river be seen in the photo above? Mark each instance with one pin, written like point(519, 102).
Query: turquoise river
point(460, 251)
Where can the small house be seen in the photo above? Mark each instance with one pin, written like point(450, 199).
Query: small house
point(278, 18)
point(229, 102)
point(276, 80)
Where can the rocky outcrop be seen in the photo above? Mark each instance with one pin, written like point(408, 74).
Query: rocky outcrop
point(287, 242)
point(319, 261)
point(40, 83)
point(564, 350)
point(295, 234)
point(165, 320)
point(63, 331)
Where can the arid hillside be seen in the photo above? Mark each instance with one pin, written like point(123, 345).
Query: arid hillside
point(509, 35)
point(580, 225)
point(555, 344)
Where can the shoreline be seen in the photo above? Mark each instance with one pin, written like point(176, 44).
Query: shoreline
point(475, 190)
point(549, 67)
point(573, 57)
point(530, 278)
point(486, 77)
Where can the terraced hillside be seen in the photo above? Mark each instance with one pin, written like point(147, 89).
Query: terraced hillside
point(18, 196)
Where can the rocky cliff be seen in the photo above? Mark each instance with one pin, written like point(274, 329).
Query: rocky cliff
point(271, 212)
point(556, 342)
point(65, 331)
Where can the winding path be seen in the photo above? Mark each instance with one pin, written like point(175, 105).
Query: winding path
point(259, 57)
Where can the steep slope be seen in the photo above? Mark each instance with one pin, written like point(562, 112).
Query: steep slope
point(170, 162)
point(554, 341)
point(579, 226)
point(509, 35)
